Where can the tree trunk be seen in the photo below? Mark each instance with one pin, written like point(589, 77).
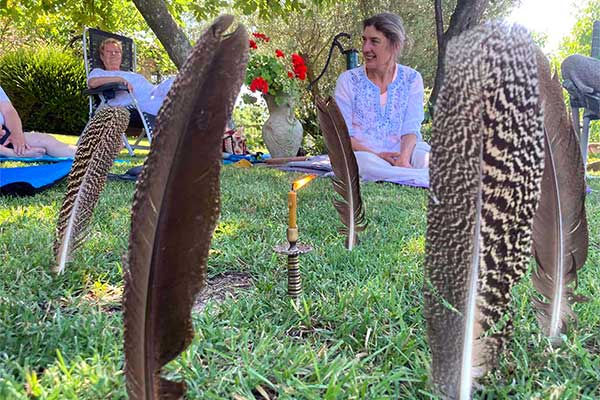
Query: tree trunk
point(167, 31)
point(465, 16)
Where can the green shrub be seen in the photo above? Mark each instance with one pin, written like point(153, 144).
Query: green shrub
point(252, 117)
point(45, 86)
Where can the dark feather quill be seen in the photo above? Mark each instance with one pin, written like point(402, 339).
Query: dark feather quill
point(343, 162)
point(95, 154)
point(560, 235)
point(175, 211)
point(485, 172)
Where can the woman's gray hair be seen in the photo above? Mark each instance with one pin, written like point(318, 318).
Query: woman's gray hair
point(391, 26)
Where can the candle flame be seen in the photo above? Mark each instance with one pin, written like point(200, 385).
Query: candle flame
point(303, 181)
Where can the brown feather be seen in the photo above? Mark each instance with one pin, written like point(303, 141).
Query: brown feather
point(95, 154)
point(176, 208)
point(560, 235)
point(485, 172)
point(343, 162)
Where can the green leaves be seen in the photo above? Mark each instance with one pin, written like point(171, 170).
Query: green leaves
point(275, 71)
point(580, 39)
point(361, 332)
point(45, 85)
point(59, 20)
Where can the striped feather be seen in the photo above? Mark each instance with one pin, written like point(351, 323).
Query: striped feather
point(95, 154)
point(485, 172)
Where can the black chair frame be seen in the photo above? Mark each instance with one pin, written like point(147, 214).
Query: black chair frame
point(589, 102)
point(98, 97)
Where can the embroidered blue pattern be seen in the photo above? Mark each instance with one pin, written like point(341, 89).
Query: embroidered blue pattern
point(373, 125)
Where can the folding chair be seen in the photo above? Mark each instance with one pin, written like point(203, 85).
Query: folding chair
point(92, 39)
point(589, 102)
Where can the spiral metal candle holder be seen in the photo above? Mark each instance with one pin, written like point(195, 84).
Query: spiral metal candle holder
point(293, 249)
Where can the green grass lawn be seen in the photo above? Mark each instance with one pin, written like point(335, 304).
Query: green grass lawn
point(358, 333)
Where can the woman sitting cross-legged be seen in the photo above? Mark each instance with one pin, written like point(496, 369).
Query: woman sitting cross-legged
point(382, 104)
point(16, 143)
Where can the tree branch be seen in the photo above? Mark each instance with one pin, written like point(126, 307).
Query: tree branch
point(167, 31)
point(465, 16)
point(439, 23)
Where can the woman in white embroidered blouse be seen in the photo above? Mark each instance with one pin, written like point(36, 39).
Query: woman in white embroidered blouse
point(382, 101)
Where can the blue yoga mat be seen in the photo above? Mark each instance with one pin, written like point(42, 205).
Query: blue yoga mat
point(233, 158)
point(43, 158)
point(24, 181)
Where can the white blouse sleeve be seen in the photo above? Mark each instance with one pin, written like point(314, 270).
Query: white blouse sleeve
point(343, 98)
point(414, 110)
point(96, 73)
point(3, 96)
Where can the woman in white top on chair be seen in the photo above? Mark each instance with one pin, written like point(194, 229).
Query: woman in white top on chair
point(149, 97)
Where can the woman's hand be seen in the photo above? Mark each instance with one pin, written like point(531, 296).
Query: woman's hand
point(18, 142)
point(389, 156)
point(402, 162)
point(125, 82)
point(396, 159)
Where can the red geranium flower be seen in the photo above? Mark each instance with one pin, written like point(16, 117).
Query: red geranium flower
point(259, 84)
point(297, 60)
point(261, 36)
point(273, 72)
point(299, 66)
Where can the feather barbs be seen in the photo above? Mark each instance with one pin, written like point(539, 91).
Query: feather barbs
point(485, 172)
point(346, 181)
point(176, 208)
point(99, 146)
point(560, 237)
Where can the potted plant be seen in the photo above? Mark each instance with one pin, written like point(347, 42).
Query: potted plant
point(278, 78)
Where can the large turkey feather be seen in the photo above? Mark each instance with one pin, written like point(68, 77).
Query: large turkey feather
point(485, 172)
point(175, 210)
point(96, 152)
point(345, 168)
point(560, 235)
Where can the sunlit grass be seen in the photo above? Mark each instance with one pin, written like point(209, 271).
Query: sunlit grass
point(358, 332)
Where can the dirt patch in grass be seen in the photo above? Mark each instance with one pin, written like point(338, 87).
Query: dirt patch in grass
point(221, 287)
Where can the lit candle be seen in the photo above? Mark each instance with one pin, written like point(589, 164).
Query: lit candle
point(292, 207)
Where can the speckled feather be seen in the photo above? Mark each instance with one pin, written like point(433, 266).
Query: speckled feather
point(485, 173)
point(175, 210)
point(95, 155)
